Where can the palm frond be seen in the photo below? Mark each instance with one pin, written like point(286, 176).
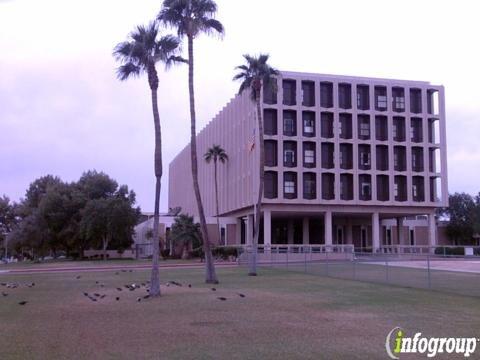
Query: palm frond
point(128, 70)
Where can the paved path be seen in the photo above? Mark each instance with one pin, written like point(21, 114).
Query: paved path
point(28, 270)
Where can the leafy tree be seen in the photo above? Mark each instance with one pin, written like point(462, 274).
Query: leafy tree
point(462, 217)
point(37, 189)
point(110, 220)
point(253, 75)
point(96, 185)
point(186, 232)
point(139, 55)
point(216, 153)
point(8, 218)
point(191, 18)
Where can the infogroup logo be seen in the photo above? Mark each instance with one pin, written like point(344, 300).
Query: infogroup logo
point(397, 343)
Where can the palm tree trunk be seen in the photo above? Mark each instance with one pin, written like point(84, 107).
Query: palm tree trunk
point(210, 275)
point(158, 166)
point(261, 163)
point(216, 201)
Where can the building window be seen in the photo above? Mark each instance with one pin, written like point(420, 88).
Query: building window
point(399, 158)
point(346, 186)
point(270, 153)
point(416, 130)
point(289, 92)
point(363, 127)
point(289, 123)
point(382, 188)
point(290, 185)
point(308, 93)
point(398, 128)
point(382, 157)
point(346, 156)
point(418, 188)
point(345, 96)
point(364, 157)
point(400, 188)
point(270, 93)
point(327, 155)
point(345, 129)
point(309, 157)
point(270, 121)
point(309, 154)
point(326, 94)
point(308, 123)
point(271, 185)
point(381, 128)
point(417, 159)
point(415, 101)
point(309, 186)
point(365, 183)
point(398, 99)
point(411, 233)
point(328, 186)
point(380, 98)
point(363, 100)
point(289, 154)
point(326, 119)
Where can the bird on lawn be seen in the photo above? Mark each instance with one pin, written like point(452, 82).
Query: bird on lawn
point(189, 285)
point(119, 289)
point(117, 298)
point(97, 295)
point(139, 299)
point(222, 298)
point(101, 297)
point(146, 296)
point(22, 302)
point(241, 295)
point(4, 294)
point(78, 277)
point(213, 289)
point(85, 293)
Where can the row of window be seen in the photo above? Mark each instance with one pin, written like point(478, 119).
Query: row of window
point(309, 179)
point(309, 156)
point(289, 87)
point(345, 123)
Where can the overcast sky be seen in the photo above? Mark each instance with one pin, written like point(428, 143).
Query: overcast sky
point(62, 111)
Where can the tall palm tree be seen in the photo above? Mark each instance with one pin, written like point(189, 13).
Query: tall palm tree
point(255, 74)
point(216, 153)
point(191, 18)
point(138, 55)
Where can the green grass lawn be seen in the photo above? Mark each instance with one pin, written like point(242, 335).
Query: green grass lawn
point(285, 315)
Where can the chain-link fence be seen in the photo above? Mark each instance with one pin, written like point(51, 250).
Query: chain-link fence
point(448, 269)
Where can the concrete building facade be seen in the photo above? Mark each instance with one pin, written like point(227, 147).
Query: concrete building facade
point(349, 160)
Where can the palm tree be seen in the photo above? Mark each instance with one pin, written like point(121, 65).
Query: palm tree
point(138, 55)
point(191, 18)
point(216, 153)
point(255, 74)
point(186, 232)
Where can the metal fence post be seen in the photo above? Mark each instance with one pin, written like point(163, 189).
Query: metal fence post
point(287, 256)
point(428, 272)
point(386, 271)
point(326, 255)
point(305, 252)
point(354, 267)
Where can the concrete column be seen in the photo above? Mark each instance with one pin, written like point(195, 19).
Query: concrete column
point(290, 231)
point(375, 231)
point(249, 240)
point(306, 231)
point(432, 230)
point(400, 233)
point(238, 231)
point(267, 227)
point(328, 227)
